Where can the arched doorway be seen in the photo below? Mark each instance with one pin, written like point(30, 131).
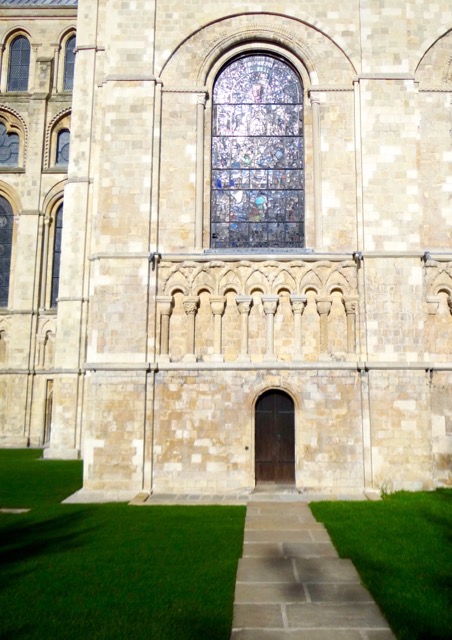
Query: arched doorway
point(275, 438)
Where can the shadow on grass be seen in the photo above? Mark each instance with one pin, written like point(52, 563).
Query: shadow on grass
point(27, 540)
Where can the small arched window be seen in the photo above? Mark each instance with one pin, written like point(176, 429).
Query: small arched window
point(19, 64)
point(6, 241)
point(257, 192)
point(56, 256)
point(69, 63)
point(62, 150)
point(9, 148)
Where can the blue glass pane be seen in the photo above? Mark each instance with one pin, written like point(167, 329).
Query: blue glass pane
point(62, 154)
point(257, 155)
point(19, 64)
point(6, 238)
point(56, 256)
point(9, 148)
point(69, 63)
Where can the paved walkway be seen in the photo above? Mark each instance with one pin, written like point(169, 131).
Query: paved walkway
point(291, 584)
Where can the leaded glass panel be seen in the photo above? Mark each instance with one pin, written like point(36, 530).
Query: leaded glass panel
point(62, 153)
point(56, 256)
point(19, 64)
point(6, 240)
point(257, 196)
point(69, 63)
point(9, 148)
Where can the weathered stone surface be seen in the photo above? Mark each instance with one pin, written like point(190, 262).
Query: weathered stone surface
point(151, 364)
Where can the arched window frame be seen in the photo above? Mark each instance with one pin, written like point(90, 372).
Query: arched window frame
point(12, 202)
point(62, 59)
point(53, 209)
point(11, 40)
point(62, 122)
point(204, 217)
point(14, 124)
point(69, 63)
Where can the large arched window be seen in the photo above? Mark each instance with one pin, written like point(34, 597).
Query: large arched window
point(19, 64)
point(56, 256)
point(257, 196)
point(69, 63)
point(6, 241)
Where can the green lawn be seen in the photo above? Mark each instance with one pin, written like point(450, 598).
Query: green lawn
point(402, 548)
point(110, 571)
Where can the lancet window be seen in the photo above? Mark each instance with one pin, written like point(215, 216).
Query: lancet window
point(6, 239)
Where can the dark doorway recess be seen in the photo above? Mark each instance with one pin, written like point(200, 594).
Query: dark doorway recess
point(275, 438)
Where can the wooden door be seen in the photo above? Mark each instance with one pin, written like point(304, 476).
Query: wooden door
point(275, 438)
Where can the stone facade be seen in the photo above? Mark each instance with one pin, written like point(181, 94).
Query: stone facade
point(151, 365)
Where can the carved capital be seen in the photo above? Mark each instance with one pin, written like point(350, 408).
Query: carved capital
point(191, 305)
point(323, 306)
point(298, 304)
point(270, 304)
point(244, 304)
point(433, 305)
point(217, 305)
point(165, 305)
point(351, 305)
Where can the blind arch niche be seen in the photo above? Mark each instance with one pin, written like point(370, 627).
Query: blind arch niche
point(257, 188)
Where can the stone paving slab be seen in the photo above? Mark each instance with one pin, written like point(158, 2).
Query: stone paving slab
point(292, 584)
point(345, 615)
point(310, 634)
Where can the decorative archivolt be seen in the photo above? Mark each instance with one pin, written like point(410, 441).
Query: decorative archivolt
point(201, 51)
point(269, 277)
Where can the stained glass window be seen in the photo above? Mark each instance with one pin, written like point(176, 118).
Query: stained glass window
point(6, 240)
point(9, 148)
point(56, 256)
point(62, 151)
point(257, 191)
point(19, 64)
point(69, 62)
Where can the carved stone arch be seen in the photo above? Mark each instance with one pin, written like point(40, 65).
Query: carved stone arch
point(434, 66)
point(45, 339)
point(60, 122)
point(337, 282)
point(177, 287)
point(206, 46)
point(284, 280)
point(53, 199)
point(229, 280)
point(203, 280)
point(10, 35)
point(14, 32)
point(311, 282)
point(11, 195)
point(257, 280)
point(15, 123)
point(440, 279)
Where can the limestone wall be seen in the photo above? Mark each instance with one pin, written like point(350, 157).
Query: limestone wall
point(153, 362)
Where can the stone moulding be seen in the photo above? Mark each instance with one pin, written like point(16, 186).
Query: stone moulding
point(271, 276)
